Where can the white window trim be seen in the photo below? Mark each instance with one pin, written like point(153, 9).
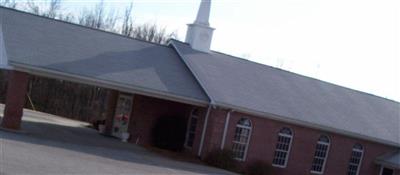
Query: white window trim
point(288, 151)
point(188, 128)
point(361, 158)
point(248, 140)
point(325, 158)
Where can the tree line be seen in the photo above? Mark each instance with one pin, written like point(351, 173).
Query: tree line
point(69, 99)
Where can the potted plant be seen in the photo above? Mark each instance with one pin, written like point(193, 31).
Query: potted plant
point(125, 136)
point(102, 128)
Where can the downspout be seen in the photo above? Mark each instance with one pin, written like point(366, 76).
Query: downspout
point(203, 133)
point(212, 103)
point(227, 119)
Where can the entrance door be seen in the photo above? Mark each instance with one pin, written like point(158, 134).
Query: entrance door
point(122, 115)
point(191, 128)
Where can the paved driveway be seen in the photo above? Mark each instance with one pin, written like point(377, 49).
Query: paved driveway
point(55, 145)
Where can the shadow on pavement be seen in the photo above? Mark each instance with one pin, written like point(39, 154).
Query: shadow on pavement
point(88, 141)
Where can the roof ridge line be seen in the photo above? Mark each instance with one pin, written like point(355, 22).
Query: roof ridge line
point(200, 82)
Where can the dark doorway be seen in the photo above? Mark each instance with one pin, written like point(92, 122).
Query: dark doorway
point(387, 171)
point(169, 132)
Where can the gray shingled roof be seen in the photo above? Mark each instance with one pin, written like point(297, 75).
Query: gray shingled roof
point(251, 87)
point(64, 48)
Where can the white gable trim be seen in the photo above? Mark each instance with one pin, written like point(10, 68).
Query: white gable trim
point(3, 54)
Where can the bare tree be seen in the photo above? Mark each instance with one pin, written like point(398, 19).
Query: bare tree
point(32, 7)
point(127, 25)
point(152, 33)
point(8, 3)
point(51, 8)
point(66, 17)
point(97, 18)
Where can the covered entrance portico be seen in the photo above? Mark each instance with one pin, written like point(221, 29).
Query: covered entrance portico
point(126, 113)
point(88, 56)
point(16, 97)
point(155, 76)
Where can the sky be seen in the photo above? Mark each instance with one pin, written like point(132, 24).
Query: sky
point(352, 43)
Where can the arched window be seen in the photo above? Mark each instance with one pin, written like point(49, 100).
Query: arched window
point(241, 139)
point(320, 155)
point(355, 159)
point(191, 128)
point(283, 148)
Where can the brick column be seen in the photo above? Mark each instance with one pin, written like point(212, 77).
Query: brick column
point(112, 97)
point(15, 100)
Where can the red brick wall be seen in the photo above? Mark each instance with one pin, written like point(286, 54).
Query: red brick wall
point(15, 100)
point(146, 111)
point(264, 138)
point(215, 129)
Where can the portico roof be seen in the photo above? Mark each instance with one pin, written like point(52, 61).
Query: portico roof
point(52, 48)
point(391, 160)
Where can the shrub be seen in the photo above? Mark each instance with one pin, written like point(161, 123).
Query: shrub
point(169, 133)
point(222, 159)
point(258, 168)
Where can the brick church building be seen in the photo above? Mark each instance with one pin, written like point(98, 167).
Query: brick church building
point(298, 124)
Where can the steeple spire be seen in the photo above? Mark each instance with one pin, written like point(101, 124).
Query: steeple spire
point(203, 14)
point(199, 34)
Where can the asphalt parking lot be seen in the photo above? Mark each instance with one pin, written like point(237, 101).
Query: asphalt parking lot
point(54, 145)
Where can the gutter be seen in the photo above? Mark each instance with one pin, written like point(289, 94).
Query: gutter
point(203, 133)
point(212, 103)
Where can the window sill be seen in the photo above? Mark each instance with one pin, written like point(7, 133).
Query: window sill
point(278, 166)
point(316, 172)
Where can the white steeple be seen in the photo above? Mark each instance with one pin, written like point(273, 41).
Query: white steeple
point(199, 34)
